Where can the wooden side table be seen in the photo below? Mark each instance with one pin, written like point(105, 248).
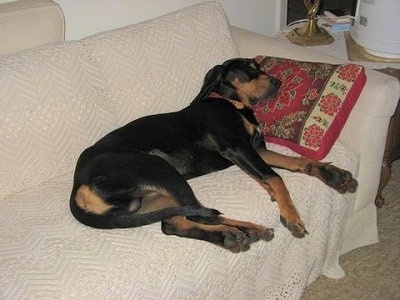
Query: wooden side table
point(392, 150)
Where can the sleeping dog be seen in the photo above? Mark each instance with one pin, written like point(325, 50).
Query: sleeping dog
point(136, 175)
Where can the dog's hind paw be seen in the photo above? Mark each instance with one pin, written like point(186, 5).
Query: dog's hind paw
point(240, 241)
point(260, 233)
point(236, 241)
point(296, 229)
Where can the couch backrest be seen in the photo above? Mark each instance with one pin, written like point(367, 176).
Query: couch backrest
point(160, 64)
point(57, 100)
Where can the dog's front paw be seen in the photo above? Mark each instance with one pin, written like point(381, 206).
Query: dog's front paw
point(296, 228)
point(338, 179)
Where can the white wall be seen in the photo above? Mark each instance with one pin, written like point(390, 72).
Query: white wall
point(85, 17)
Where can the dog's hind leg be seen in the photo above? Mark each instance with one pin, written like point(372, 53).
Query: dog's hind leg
point(233, 235)
point(128, 190)
point(228, 237)
point(254, 231)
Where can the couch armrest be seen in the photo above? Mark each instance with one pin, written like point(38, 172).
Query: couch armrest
point(29, 23)
point(366, 128)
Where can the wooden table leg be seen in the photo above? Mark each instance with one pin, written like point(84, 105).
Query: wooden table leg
point(392, 152)
point(385, 176)
point(392, 148)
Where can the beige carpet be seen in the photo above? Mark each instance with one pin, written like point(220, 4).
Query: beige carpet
point(372, 272)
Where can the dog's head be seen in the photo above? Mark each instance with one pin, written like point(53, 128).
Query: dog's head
point(239, 79)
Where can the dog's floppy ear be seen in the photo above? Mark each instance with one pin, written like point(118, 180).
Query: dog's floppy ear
point(227, 90)
point(211, 79)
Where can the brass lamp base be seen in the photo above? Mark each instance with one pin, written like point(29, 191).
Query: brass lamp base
point(310, 35)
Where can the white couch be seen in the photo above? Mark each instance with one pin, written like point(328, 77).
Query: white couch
point(59, 98)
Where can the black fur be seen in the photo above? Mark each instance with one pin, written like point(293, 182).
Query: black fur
point(150, 158)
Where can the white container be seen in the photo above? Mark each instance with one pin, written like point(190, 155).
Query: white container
point(377, 27)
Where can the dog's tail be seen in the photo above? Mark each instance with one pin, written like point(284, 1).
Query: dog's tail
point(123, 218)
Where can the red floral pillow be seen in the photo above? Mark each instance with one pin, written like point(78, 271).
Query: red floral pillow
point(312, 105)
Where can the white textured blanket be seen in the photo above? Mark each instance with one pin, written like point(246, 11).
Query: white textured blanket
point(57, 100)
point(45, 253)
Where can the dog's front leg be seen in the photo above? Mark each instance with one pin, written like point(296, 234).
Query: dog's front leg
point(338, 179)
point(248, 159)
point(289, 215)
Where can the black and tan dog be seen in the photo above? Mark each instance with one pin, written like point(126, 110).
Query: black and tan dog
point(136, 175)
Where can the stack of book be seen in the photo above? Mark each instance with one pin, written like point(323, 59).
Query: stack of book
point(338, 19)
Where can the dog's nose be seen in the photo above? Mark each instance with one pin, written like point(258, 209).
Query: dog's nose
point(276, 83)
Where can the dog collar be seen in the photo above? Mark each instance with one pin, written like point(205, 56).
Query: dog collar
point(237, 104)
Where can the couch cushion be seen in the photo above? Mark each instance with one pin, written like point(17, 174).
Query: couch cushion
point(312, 105)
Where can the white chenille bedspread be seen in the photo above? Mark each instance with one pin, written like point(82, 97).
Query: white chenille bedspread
point(57, 100)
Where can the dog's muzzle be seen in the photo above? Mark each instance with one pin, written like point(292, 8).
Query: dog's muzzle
point(272, 92)
point(275, 84)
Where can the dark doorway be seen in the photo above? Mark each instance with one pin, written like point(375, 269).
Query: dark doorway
point(296, 9)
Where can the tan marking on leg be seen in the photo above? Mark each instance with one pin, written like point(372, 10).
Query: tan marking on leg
point(279, 193)
point(301, 164)
point(324, 171)
point(182, 225)
point(294, 164)
point(157, 199)
point(254, 231)
point(230, 238)
point(87, 200)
